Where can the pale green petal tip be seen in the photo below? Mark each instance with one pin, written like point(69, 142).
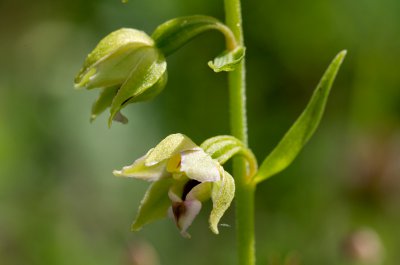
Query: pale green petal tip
point(214, 228)
point(78, 86)
point(139, 170)
point(214, 224)
point(83, 77)
point(118, 173)
point(222, 196)
point(110, 121)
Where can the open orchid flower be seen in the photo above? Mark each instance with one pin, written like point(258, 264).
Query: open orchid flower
point(183, 177)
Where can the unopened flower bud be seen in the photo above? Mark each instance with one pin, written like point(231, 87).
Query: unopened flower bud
point(127, 67)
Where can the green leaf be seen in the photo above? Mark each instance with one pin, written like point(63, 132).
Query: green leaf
point(155, 203)
point(103, 101)
point(149, 68)
point(228, 60)
point(221, 195)
point(304, 127)
point(175, 33)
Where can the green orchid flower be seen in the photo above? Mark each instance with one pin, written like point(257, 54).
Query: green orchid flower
point(127, 67)
point(183, 176)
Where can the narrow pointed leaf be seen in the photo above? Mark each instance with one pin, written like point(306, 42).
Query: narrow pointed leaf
point(304, 127)
point(222, 195)
point(175, 33)
point(154, 205)
point(227, 61)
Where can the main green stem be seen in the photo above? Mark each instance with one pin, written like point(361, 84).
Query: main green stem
point(244, 189)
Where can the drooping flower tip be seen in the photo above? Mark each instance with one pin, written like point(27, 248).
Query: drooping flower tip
point(127, 67)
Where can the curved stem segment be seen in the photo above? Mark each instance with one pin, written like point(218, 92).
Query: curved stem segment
point(244, 188)
point(175, 33)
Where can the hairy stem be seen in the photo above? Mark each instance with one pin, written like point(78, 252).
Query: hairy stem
point(244, 188)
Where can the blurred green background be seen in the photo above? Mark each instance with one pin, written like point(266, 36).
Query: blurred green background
point(339, 203)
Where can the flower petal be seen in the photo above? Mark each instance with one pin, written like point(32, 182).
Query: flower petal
point(200, 192)
point(140, 171)
point(198, 165)
point(171, 145)
point(222, 195)
point(184, 213)
point(155, 203)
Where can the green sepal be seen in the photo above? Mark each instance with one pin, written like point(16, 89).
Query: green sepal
point(175, 33)
point(221, 195)
point(103, 101)
point(224, 147)
point(149, 69)
point(114, 68)
point(304, 127)
point(140, 171)
point(228, 60)
point(152, 91)
point(168, 147)
point(111, 45)
point(155, 203)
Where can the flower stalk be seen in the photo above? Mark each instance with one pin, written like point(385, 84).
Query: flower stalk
point(245, 189)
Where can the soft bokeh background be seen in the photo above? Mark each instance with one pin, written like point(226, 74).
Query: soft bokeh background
point(339, 203)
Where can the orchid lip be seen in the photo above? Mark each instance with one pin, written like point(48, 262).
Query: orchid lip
point(188, 187)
